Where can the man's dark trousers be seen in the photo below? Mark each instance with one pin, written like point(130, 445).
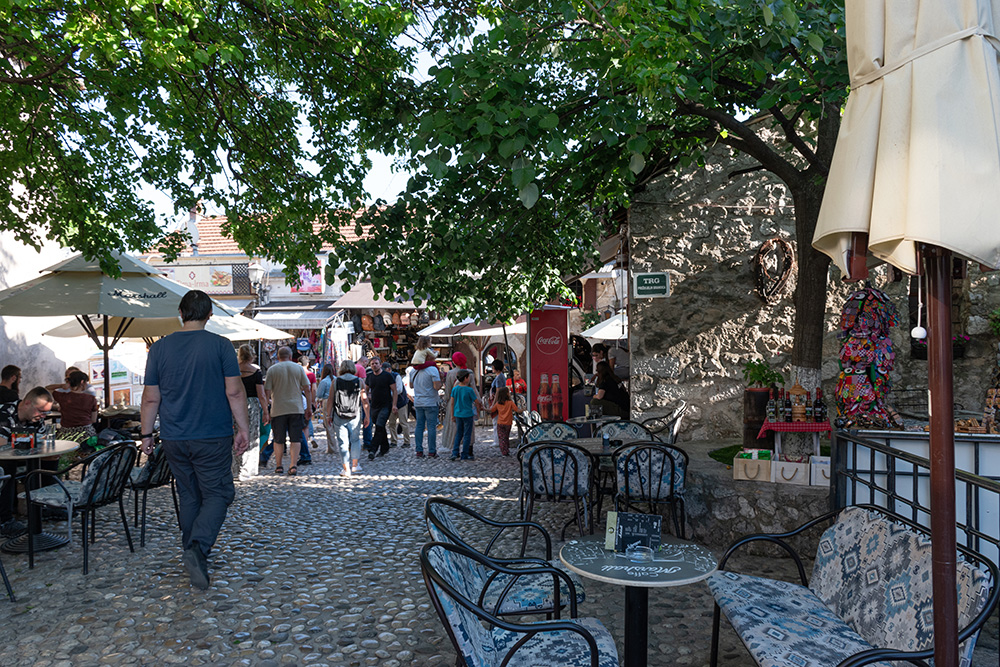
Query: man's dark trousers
point(204, 476)
point(380, 440)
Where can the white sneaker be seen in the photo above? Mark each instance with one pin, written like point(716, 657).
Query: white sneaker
point(355, 469)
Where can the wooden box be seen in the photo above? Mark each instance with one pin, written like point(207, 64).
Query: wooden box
point(753, 470)
point(819, 470)
point(790, 472)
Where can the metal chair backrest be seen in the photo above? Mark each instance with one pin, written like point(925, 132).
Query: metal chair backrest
point(551, 431)
point(106, 476)
point(665, 428)
point(650, 471)
point(556, 470)
point(155, 472)
point(626, 431)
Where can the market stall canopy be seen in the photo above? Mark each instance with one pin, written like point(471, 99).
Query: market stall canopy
point(613, 328)
point(236, 327)
point(363, 296)
point(441, 325)
point(297, 314)
point(480, 329)
point(918, 153)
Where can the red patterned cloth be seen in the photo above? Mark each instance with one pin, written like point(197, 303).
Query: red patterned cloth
point(793, 427)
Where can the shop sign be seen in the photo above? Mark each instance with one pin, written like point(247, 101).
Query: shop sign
point(311, 278)
point(209, 278)
point(548, 363)
point(651, 285)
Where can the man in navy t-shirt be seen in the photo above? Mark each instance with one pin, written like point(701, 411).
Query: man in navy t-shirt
point(193, 383)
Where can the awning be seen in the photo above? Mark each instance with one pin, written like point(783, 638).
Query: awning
point(483, 329)
point(439, 326)
point(363, 296)
point(613, 328)
point(297, 314)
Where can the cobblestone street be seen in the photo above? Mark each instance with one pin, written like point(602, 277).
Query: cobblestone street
point(314, 569)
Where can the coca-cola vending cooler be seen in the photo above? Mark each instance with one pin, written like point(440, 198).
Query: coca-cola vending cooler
point(548, 363)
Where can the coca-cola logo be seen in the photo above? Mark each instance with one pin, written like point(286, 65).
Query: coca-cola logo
point(548, 341)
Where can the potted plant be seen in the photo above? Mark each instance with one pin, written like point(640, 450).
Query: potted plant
point(760, 378)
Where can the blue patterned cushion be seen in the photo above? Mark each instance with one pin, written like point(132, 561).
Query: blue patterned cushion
point(531, 593)
point(559, 649)
point(639, 467)
point(784, 624)
point(550, 431)
point(549, 468)
point(54, 496)
point(625, 431)
point(876, 575)
point(475, 641)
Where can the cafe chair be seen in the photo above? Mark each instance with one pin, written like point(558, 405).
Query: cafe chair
point(152, 475)
point(103, 483)
point(482, 639)
point(624, 430)
point(503, 594)
point(666, 427)
point(558, 472)
point(651, 473)
point(4, 479)
point(550, 431)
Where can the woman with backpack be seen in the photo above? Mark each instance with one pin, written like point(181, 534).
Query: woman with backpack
point(343, 409)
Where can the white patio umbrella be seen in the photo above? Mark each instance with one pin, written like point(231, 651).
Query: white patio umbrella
point(78, 287)
point(441, 325)
point(916, 175)
point(613, 328)
point(235, 328)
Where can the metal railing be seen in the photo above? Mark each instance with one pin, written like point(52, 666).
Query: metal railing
point(867, 469)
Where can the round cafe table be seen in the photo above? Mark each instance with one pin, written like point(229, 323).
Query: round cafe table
point(31, 458)
point(676, 563)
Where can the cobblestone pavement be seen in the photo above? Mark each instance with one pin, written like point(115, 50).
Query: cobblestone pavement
point(312, 570)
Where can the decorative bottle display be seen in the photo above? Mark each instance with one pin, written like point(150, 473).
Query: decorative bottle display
point(798, 400)
point(544, 398)
point(809, 407)
point(787, 407)
point(772, 414)
point(819, 407)
point(556, 399)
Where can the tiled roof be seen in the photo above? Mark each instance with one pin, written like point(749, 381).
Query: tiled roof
point(212, 241)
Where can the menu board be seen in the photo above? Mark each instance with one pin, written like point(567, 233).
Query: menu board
point(628, 528)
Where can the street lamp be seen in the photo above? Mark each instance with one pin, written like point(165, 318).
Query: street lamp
point(262, 292)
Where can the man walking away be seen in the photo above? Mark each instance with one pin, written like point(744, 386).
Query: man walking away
point(426, 382)
point(382, 396)
point(193, 383)
point(285, 384)
point(400, 417)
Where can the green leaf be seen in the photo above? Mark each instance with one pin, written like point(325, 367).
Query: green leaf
point(637, 163)
point(768, 15)
point(528, 195)
point(549, 121)
point(816, 42)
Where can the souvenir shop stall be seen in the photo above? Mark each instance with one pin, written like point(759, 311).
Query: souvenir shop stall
point(381, 329)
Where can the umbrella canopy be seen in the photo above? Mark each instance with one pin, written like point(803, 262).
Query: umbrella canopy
point(613, 328)
point(235, 327)
point(441, 325)
point(914, 175)
point(482, 329)
point(918, 153)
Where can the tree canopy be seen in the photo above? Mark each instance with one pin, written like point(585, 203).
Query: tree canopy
point(257, 106)
point(542, 118)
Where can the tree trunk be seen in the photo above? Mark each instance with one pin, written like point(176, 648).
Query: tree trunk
point(810, 288)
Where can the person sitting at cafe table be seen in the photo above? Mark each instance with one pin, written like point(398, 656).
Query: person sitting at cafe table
point(79, 408)
point(10, 379)
point(64, 385)
point(26, 414)
point(609, 393)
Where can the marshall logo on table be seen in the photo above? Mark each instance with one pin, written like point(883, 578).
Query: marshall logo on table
point(628, 528)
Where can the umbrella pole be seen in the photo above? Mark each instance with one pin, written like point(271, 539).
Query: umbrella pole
point(938, 264)
point(107, 365)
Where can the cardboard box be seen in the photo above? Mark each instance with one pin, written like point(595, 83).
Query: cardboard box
point(790, 472)
point(753, 470)
point(819, 470)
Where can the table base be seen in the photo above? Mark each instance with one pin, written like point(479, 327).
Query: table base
point(636, 625)
point(43, 542)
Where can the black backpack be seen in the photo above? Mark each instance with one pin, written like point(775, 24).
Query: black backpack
point(347, 398)
point(403, 399)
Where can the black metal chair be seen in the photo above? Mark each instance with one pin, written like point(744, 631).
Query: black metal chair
point(652, 473)
point(626, 431)
point(103, 483)
point(154, 474)
point(482, 638)
point(665, 427)
point(4, 479)
point(505, 595)
point(553, 471)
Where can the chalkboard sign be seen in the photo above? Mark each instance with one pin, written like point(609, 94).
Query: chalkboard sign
point(632, 528)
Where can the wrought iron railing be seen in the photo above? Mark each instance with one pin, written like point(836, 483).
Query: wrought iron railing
point(866, 469)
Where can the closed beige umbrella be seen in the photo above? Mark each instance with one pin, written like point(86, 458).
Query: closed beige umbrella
point(916, 176)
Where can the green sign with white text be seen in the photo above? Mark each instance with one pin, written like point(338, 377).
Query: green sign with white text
point(650, 285)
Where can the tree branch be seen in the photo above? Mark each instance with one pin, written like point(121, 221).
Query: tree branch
point(38, 78)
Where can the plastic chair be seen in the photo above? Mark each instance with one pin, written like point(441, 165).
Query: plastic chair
point(103, 483)
point(558, 472)
point(483, 639)
point(531, 594)
point(652, 473)
point(154, 474)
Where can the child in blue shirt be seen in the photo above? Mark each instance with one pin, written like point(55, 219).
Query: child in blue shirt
point(466, 404)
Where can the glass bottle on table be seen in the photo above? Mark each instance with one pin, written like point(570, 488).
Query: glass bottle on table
point(772, 415)
point(810, 411)
point(787, 405)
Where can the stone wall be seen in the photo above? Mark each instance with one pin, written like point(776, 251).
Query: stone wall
point(703, 227)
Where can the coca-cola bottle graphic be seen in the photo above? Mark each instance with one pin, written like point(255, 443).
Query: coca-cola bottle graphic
point(544, 398)
point(557, 399)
